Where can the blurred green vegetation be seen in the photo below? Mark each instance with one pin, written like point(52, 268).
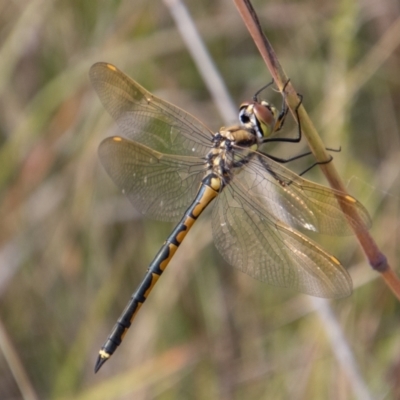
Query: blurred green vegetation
point(73, 249)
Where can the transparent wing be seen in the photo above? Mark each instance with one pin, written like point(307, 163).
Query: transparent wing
point(147, 119)
point(296, 201)
point(269, 250)
point(159, 185)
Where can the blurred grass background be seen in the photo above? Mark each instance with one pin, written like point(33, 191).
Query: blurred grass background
point(73, 248)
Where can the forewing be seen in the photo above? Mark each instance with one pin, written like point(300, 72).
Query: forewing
point(296, 201)
point(147, 119)
point(269, 250)
point(159, 185)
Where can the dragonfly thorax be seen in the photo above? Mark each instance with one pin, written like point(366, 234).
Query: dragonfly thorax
point(259, 117)
point(232, 148)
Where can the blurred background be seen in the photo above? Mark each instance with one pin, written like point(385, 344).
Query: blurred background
point(73, 248)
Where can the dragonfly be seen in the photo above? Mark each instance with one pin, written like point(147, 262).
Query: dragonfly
point(171, 167)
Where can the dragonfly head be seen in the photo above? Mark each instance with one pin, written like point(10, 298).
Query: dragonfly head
point(259, 117)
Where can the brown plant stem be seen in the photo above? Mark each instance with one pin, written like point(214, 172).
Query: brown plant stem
point(375, 257)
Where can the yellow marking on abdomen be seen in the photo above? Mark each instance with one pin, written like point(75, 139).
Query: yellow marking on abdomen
point(209, 194)
point(104, 354)
point(172, 250)
point(198, 209)
point(189, 221)
point(181, 235)
point(154, 279)
point(215, 184)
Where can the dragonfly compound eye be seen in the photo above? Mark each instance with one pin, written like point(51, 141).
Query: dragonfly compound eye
point(265, 115)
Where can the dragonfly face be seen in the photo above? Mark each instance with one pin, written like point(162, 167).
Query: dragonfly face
point(171, 167)
point(260, 117)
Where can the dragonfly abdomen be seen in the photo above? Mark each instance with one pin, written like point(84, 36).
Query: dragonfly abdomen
point(209, 189)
